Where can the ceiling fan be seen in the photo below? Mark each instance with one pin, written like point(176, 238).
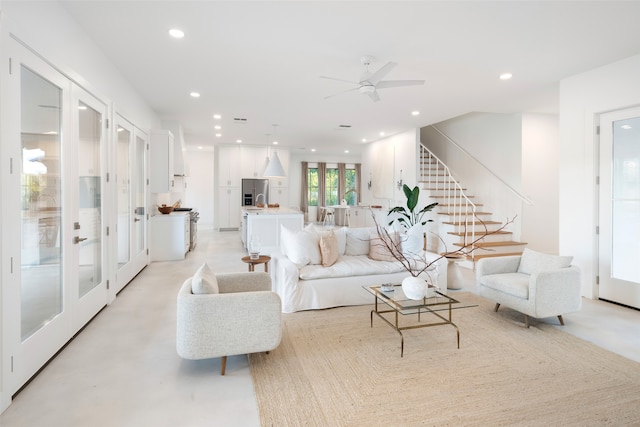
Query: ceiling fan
point(369, 83)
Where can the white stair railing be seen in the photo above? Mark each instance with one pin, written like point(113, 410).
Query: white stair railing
point(462, 211)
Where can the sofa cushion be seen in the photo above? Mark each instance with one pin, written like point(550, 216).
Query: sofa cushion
point(381, 251)
point(329, 248)
point(515, 284)
point(358, 241)
point(348, 265)
point(533, 262)
point(301, 247)
point(204, 281)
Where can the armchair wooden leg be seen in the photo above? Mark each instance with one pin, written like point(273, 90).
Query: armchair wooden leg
point(497, 306)
point(223, 365)
point(560, 319)
point(526, 320)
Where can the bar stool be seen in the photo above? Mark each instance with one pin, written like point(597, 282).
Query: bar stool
point(329, 217)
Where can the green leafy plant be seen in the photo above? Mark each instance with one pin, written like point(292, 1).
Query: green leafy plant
point(408, 217)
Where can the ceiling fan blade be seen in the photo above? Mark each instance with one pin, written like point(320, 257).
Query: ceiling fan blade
point(340, 93)
point(383, 71)
point(374, 96)
point(398, 83)
point(340, 80)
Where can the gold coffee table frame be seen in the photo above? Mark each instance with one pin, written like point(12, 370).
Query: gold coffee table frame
point(400, 304)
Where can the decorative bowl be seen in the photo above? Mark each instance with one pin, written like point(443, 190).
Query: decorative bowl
point(165, 209)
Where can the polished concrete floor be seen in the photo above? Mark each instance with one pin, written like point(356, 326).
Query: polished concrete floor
point(122, 370)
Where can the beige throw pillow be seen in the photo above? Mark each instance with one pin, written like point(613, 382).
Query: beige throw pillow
point(379, 251)
point(329, 249)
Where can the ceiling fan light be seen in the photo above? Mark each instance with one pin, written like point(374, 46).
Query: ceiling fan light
point(274, 169)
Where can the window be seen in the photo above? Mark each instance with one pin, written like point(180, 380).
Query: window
point(331, 186)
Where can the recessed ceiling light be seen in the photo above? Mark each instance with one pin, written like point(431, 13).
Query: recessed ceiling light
point(364, 139)
point(381, 133)
point(415, 113)
point(217, 116)
point(176, 33)
point(200, 147)
point(82, 107)
point(218, 135)
point(238, 141)
point(217, 127)
point(275, 142)
point(346, 151)
point(195, 94)
point(505, 76)
point(313, 150)
point(625, 127)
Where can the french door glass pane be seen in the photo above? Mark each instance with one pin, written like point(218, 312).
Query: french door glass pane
point(124, 197)
point(41, 204)
point(626, 200)
point(90, 199)
point(139, 213)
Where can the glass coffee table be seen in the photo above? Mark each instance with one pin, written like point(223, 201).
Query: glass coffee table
point(440, 305)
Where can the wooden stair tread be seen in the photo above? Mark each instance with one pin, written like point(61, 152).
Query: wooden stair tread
point(477, 256)
point(444, 205)
point(460, 223)
point(457, 197)
point(494, 244)
point(478, 235)
point(464, 213)
point(443, 189)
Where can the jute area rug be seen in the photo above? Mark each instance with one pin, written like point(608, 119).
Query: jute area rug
point(333, 369)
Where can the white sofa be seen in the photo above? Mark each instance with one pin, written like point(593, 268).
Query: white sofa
point(303, 283)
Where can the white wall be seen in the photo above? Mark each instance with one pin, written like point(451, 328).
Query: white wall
point(383, 160)
point(582, 97)
point(199, 193)
point(540, 151)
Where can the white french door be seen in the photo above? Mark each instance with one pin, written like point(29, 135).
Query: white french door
point(131, 182)
point(53, 232)
point(619, 199)
point(89, 232)
point(36, 216)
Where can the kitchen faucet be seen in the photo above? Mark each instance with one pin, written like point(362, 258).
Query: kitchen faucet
point(258, 196)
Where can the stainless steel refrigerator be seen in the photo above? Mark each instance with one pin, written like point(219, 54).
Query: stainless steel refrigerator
point(254, 188)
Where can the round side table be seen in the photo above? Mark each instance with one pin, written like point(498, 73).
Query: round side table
point(262, 259)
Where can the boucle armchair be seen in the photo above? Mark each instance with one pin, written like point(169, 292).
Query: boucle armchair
point(535, 284)
point(244, 317)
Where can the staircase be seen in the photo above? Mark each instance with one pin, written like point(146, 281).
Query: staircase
point(461, 219)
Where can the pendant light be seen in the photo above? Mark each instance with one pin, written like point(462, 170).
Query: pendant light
point(274, 169)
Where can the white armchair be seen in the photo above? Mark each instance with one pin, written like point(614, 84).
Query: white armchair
point(244, 317)
point(535, 284)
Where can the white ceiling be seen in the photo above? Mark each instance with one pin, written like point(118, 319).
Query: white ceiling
point(262, 60)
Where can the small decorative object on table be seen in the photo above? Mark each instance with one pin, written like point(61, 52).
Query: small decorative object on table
point(254, 248)
point(386, 287)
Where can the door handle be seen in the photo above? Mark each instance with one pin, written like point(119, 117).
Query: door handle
point(77, 239)
point(136, 219)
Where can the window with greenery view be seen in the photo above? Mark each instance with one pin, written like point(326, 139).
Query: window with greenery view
point(331, 186)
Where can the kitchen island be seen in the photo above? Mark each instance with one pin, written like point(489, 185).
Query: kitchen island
point(261, 226)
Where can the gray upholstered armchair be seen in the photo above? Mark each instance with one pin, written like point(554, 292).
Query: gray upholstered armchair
point(535, 284)
point(244, 317)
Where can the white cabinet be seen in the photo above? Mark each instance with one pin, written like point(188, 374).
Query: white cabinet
point(229, 172)
point(161, 159)
point(169, 236)
point(265, 228)
point(253, 161)
point(179, 165)
point(228, 208)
